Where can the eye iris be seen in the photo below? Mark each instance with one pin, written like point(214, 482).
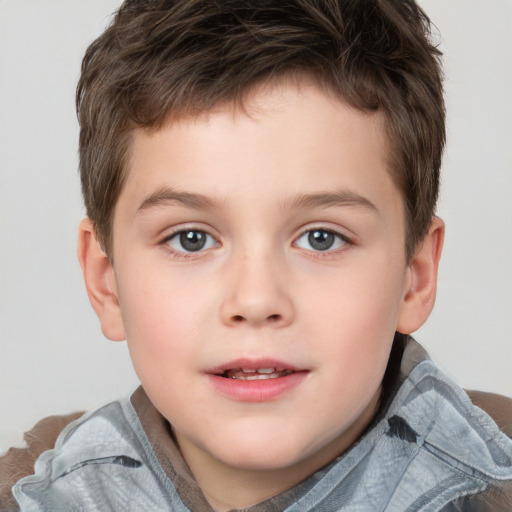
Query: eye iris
point(192, 240)
point(321, 240)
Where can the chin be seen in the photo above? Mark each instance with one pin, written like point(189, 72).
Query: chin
point(262, 453)
point(266, 462)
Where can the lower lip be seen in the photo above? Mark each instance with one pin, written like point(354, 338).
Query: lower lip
point(264, 390)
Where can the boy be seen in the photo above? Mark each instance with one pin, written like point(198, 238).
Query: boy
point(260, 181)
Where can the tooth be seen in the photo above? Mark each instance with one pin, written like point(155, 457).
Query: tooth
point(266, 370)
point(256, 376)
point(247, 370)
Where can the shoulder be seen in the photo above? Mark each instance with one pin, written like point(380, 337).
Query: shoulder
point(66, 441)
point(498, 407)
point(19, 462)
point(102, 457)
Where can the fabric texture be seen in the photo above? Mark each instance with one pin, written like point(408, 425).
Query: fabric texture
point(19, 462)
point(429, 450)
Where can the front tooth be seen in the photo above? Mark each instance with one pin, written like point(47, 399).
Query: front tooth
point(256, 376)
point(266, 370)
point(247, 370)
point(264, 376)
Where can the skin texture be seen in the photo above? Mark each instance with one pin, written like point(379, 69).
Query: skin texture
point(258, 183)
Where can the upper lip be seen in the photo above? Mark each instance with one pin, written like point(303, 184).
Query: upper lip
point(253, 364)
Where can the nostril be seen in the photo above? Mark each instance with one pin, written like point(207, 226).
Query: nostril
point(271, 318)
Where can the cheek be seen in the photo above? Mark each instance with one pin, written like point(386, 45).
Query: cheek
point(361, 298)
point(161, 316)
point(358, 315)
point(158, 302)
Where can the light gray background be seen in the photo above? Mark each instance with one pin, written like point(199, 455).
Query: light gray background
point(53, 358)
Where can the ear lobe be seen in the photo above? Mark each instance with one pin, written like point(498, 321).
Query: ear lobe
point(100, 282)
point(421, 290)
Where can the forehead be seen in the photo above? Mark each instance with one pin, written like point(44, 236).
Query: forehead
point(289, 138)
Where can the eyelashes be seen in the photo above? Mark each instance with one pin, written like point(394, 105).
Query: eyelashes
point(190, 240)
point(320, 241)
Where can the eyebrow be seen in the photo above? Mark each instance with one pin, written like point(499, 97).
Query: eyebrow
point(166, 195)
point(326, 199)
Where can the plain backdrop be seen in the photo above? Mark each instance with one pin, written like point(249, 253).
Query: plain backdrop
point(53, 357)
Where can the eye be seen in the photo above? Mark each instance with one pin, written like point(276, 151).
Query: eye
point(321, 240)
point(190, 240)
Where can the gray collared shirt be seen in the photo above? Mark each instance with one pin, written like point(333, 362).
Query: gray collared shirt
point(431, 450)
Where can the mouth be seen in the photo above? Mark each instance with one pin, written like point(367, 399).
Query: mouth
point(252, 369)
point(256, 381)
point(255, 374)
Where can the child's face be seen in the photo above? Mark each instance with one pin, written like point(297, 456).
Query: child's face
point(270, 241)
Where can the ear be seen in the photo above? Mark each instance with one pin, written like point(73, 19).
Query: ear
point(100, 281)
point(421, 281)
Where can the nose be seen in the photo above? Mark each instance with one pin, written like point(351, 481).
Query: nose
point(257, 294)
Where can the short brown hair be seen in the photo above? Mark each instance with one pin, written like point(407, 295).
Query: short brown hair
point(166, 58)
